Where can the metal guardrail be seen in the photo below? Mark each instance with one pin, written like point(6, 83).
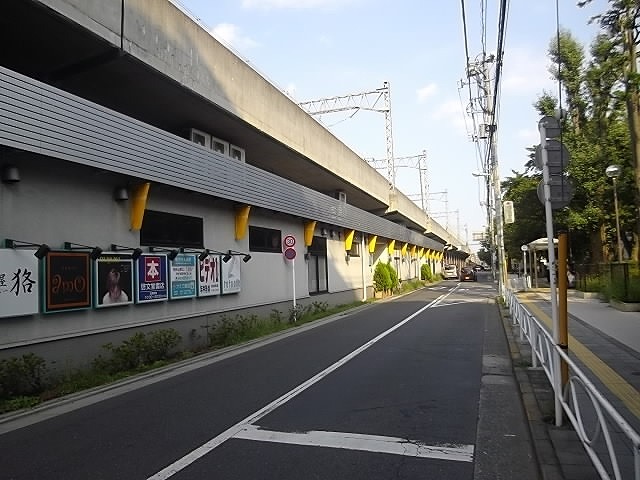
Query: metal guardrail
point(611, 443)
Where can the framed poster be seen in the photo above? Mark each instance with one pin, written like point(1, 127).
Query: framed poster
point(151, 278)
point(183, 276)
point(67, 281)
point(113, 280)
point(209, 276)
point(230, 275)
point(19, 283)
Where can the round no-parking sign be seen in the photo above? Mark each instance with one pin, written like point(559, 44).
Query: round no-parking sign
point(289, 253)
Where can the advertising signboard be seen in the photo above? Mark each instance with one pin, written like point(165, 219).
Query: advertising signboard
point(113, 280)
point(230, 275)
point(67, 281)
point(151, 278)
point(209, 277)
point(183, 276)
point(19, 283)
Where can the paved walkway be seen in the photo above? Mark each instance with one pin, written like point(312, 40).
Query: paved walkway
point(605, 343)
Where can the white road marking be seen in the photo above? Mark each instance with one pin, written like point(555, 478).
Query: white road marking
point(207, 447)
point(358, 441)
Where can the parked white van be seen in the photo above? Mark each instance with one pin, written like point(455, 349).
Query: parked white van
point(450, 271)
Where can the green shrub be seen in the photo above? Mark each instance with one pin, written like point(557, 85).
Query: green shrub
point(138, 350)
point(381, 277)
point(393, 275)
point(425, 273)
point(20, 376)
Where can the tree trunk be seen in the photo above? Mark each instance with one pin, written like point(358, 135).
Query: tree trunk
point(633, 117)
point(597, 245)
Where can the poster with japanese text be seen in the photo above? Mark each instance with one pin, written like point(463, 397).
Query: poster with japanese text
point(19, 283)
point(113, 282)
point(209, 276)
point(230, 275)
point(183, 276)
point(67, 281)
point(151, 279)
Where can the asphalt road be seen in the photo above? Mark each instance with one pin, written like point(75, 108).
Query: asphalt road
point(413, 388)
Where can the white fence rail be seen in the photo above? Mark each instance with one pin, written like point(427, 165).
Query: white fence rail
point(611, 443)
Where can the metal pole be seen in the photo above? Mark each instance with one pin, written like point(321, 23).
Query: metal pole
point(362, 260)
point(552, 269)
point(497, 195)
point(524, 269)
point(615, 203)
point(293, 273)
point(562, 305)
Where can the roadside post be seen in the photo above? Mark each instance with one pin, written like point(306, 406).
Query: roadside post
point(524, 249)
point(563, 342)
point(554, 191)
point(289, 252)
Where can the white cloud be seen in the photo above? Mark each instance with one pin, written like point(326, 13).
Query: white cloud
point(525, 72)
point(531, 135)
point(427, 91)
point(232, 35)
point(451, 112)
point(297, 4)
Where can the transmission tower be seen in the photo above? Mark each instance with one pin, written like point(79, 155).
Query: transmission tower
point(361, 101)
point(405, 162)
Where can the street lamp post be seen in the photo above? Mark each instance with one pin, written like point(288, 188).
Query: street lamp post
point(613, 172)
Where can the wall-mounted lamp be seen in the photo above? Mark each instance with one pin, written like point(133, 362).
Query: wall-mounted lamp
point(120, 194)
point(95, 251)
point(323, 232)
point(202, 254)
point(307, 256)
point(171, 253)
point(10, 174)
point(332, 233)
point(41, 249)
point(245, 256)
point(135, 252)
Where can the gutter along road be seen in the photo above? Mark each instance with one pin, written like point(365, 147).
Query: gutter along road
point(416, 387)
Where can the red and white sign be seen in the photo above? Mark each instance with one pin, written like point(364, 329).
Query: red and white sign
point(151, 269)
point(289, 241)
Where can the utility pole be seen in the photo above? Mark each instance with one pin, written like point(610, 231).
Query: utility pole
point(494, 174)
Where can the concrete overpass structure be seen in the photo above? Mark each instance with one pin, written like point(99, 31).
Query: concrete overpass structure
point(149, 60)
point(104, 96)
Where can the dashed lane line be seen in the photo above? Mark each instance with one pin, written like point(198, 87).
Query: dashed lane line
point(360, 442)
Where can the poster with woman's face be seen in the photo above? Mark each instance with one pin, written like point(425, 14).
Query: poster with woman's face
point(113, 280)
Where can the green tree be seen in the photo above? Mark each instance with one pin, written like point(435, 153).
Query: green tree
point(622, 25)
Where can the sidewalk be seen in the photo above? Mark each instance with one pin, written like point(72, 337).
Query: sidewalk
point(605, 342)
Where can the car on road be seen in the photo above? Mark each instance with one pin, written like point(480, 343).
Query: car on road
point(450, 272)
point(468, 274)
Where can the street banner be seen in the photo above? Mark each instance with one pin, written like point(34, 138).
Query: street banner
point(151, 278)
point(209, 276)
point(230, 275)
point(19, 283)
point(113, 280)
point(67, 281)
point(183, 276)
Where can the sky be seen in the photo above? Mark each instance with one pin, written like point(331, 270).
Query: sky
point(314, 49)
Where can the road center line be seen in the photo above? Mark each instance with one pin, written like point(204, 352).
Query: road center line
point(360, 442)
point(205, 448)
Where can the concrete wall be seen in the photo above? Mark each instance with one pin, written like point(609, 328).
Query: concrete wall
point(59, 202)
point(160, 35)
